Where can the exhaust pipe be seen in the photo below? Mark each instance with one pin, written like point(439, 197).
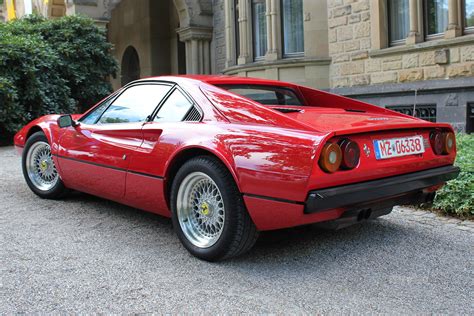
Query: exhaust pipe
point(364, 214)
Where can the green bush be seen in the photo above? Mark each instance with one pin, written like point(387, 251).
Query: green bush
point(51, 66)
point(457, 196)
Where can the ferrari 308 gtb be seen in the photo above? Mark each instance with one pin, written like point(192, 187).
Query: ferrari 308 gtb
point(227, 157)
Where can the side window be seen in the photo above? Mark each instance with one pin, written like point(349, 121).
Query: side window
point(135, 104)
point(93, 116)
point(174, 109)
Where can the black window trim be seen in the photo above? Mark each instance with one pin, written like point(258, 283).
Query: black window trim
point(296, 92)
point(167, 96)
point(118, 93)
point(110, 99)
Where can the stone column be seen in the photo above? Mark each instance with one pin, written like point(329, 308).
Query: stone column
point(229, 38)
point(272, 30)
point(454, 30)
point(244, 32)
point(198, 57)
point(414, 35)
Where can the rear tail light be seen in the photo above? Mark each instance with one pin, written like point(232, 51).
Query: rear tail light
point(331, 157)
point(350, 154)
point(448, 142)
point(436, 141)
point(442, 142)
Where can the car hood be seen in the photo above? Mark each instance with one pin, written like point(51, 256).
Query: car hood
point(343, 121)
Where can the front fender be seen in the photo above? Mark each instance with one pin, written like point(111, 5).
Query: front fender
point(47, 124)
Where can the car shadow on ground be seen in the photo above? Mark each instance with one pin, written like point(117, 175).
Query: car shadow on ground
point(293, 244)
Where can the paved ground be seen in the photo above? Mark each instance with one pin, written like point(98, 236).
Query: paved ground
point(85, 254)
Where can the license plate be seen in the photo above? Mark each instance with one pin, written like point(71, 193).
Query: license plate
point(397, 147)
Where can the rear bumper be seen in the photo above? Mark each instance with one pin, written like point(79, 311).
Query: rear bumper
point(381, 189)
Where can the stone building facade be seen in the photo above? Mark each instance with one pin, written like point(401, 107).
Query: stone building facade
point(433, 73)
point(414, 56)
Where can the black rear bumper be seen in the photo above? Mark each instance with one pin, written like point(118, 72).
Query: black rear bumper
point(381, 189)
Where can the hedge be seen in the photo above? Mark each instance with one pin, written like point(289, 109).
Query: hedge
point(51, 66)
point(457, 196)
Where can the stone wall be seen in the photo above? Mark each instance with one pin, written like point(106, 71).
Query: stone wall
point(355, 63)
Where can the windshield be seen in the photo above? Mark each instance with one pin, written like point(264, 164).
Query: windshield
point(268, 95)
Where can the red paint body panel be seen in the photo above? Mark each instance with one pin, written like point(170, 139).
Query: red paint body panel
point(272, 156)
point(270, 215)
point(146, 193)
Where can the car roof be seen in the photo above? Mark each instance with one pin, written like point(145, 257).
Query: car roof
point(223, 79)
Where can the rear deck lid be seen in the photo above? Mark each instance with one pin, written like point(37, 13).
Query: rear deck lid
point(343, 121)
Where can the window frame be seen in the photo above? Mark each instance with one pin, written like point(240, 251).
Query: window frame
point(465, 29)
point(118, 93)
point(430, 37)
point(282, 32)
point(400, 42)
point(110, 99)
point(167, 96)
point(252, 28)
point(296, 92)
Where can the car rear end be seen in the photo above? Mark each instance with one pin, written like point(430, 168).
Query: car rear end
point(370, 160)
point(367, 174)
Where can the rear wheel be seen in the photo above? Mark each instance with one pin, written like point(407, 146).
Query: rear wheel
point(39, 168)
point(209, 215)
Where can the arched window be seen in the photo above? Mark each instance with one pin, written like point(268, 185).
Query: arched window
point(130, 66)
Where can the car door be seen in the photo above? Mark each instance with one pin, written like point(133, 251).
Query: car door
point(144, 185)
point(94, 155)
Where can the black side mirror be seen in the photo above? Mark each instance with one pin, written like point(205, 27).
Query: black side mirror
point(66, 121)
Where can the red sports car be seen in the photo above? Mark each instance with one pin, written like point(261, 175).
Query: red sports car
point(227, 157)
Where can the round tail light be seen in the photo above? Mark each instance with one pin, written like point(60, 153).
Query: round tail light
point(436, 141)
point(350, 154)
point(331, 157)
point(448, 142)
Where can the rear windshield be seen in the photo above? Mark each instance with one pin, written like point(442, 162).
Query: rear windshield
point(268, 95)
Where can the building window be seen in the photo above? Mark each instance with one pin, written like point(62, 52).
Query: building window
point(399, 21)
point(426, 112)
point(470, 118)
point(259, 28)
point(469, 16)
point(292, 26)
point(436, 13)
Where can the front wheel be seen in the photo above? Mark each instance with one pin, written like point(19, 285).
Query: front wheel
point(39, 169)
point(209, 215)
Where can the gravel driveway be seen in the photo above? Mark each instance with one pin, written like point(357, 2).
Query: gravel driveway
point(85, 254)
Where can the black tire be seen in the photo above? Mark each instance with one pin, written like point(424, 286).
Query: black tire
point(58, 190)
point(239, 232)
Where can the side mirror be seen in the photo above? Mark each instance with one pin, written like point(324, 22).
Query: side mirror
point(66, 121)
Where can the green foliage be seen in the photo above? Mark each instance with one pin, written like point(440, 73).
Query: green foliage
point(51, 66)
point(457, 196)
